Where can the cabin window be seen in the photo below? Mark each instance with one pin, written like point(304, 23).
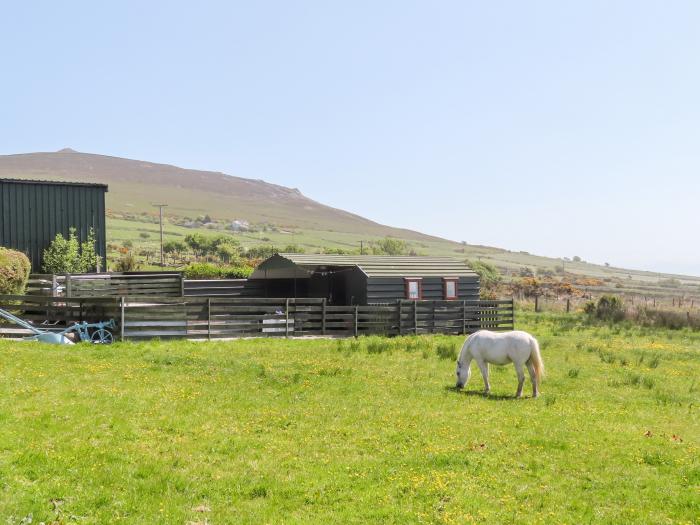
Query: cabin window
point(450, 288)
point(414, 289)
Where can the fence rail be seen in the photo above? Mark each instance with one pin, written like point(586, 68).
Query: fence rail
point(229, 317)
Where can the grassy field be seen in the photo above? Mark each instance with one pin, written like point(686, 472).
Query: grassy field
point(323, 431)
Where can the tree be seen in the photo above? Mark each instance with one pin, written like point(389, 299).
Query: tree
point(227, 253)
point(198, 243)
point(71, 256)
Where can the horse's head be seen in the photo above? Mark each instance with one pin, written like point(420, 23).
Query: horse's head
point(463, 373)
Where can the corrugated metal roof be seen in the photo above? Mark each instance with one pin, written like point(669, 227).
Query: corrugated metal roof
point(55, 182)
point(386, 265)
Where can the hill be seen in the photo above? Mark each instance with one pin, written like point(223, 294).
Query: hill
point(135, 185)
point(281, 216)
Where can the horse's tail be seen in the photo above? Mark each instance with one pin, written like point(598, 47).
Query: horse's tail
point(536, 359)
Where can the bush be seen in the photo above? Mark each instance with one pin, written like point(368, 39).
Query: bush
point(213, 271)
point(608, 308)
point(489, 278)
point(71, 256)
point(126, 263)
point(389, 246)
point(14, 272)
point(672, 319)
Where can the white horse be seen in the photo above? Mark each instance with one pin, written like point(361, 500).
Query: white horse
point(517, 347)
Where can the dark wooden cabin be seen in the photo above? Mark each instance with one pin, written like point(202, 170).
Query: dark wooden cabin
point(366, 279)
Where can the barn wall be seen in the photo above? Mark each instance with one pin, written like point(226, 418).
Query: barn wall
point(32, 213)
point(389, 289)
point(355, 283)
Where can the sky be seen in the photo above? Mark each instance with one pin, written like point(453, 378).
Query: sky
point(557, 128)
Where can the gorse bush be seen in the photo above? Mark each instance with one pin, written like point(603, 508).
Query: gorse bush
point(14, 271)
point(70, 255)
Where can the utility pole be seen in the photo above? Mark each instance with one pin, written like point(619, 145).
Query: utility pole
point(362, 250)
point(160, 209)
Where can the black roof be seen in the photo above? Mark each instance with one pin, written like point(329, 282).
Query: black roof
point(55, 183)
point(371, 265)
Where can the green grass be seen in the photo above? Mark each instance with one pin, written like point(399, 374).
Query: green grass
point(323, 431)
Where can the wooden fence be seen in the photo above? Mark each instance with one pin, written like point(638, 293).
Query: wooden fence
point(222, 287)
point(228, 317)
point(55, 313)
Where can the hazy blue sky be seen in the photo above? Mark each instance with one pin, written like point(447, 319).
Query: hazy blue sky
point(560, 128)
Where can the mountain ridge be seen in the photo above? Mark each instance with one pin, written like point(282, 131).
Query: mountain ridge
point(215, 193)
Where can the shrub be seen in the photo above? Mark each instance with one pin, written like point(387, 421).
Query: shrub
point(214, 271)
point(608, 308)
point(389, 246)
point(14, 272)
point(126, 263)
point(70, 255)
point(489, 277)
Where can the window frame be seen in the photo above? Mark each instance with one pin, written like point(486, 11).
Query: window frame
point(446, 280)
point(407, 288)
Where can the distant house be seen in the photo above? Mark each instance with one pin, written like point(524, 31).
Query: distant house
point(32, 212)
point(366, 279)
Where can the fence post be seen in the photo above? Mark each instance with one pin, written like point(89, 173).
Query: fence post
point(415, 317)
point(182, 285)
point(209, 318)
point(356, 312)
point(69, 286)
point(286, 317)
point(568, 305)
point(399, 308)
point(464, 317)
point(323, 317)
point(537, 303)
point(121, 323)
point(432, 320)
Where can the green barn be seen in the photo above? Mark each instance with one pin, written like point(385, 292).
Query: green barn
point(366, 279)
point(32, 212)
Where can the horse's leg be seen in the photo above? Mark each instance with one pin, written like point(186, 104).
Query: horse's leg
point(533, 379)
point(521, 378)
point(484, 367)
